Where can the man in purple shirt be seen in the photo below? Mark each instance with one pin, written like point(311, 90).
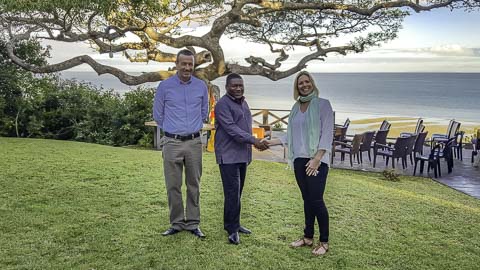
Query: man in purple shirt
point(233, 151)
point(180, 107)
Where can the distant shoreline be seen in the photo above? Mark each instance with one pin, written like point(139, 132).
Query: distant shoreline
point(407, 124)
point(365, 97)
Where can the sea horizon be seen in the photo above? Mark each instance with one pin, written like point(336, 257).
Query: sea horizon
point(438, 96)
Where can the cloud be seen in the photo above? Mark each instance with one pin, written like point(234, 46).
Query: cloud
point(452, 50)
point(435, 51)
point(441, 58)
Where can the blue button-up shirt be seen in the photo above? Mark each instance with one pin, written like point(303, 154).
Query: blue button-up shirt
point(233, 135)
point(181, 107)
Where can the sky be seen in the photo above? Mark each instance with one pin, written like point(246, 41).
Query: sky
point(435, 41)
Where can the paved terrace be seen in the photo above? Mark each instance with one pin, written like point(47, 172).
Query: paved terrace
point(464, 178)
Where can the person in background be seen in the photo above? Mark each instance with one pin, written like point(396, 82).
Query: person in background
point(180, 108)
point(233, 151)
point(309, 141)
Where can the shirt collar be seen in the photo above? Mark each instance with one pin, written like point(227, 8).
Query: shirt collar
point(237, 100)
point(182, 82)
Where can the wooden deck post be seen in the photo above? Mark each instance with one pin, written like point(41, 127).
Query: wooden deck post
point(265, 117)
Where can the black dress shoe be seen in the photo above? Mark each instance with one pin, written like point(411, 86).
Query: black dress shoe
point(197, 233)
point(234, 238)
point(244, 230)
point(170, 231)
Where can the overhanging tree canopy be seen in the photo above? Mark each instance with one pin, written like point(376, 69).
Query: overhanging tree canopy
point(144, 30)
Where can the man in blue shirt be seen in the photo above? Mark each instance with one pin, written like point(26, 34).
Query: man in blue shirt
point(233, 151)
point(180, 107)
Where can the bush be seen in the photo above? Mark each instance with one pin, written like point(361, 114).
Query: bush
point(48, 107)
point(278, 126)
point(68, 110)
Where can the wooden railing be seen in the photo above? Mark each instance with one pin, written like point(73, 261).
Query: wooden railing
point(267, 113)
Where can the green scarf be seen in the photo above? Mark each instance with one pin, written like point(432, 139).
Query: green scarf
point(312, 121)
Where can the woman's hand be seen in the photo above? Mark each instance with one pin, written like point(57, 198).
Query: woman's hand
point(272, 142)
point(312, 167)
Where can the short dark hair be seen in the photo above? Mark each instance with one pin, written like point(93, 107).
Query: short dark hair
point(184, 52)
point(232, 76)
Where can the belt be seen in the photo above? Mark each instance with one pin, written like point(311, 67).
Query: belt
point(183, 138)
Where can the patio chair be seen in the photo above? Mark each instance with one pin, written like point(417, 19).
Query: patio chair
point(476, 146)
point(398, 150)
point(340, 131)
point(458, 145)
point(452, 129)
point(450, 136)
point(380, 137)
point(366, 144)
point(447, 153)
point(352, 148)
point(450, 125)
point(410, 147)
point(419, 127)
point(433, 162)
point(419, 144)
point(385, 125)
point(346, 124)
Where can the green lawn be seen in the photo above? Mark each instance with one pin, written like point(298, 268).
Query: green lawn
point(69, 205)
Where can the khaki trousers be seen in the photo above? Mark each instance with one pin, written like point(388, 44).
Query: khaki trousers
point(178, 155)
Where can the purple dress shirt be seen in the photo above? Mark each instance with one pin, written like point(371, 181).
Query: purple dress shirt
point(181, 107)
point(233, 135)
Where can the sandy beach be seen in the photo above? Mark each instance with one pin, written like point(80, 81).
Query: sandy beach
point(399, 124)
point(407, 124)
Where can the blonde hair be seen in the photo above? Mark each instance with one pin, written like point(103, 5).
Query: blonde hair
point(295, 84)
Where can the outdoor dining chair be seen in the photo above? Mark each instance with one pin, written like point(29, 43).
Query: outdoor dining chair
point(447, 153)
point(346, 124)
point(452, 130)
point(410, 147)
point(380, 137)
point(433, 162)
point(418, 149)
point(419, 127)
point(397, 151)
point(476, 146)
point(340, 133)
point(458, 145)
point(366, 145)
point(351, 148)
point(385, 125)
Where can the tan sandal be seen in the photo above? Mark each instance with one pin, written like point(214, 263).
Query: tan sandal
point(302, 242)
point(320, 249)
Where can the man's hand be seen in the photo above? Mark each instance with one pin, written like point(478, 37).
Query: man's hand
point(261, 145)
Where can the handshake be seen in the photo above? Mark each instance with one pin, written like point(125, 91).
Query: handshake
point(261, 145)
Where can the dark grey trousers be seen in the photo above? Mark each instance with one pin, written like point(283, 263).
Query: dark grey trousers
point(177, 156)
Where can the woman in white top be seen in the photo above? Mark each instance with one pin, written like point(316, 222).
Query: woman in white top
point(309, 140)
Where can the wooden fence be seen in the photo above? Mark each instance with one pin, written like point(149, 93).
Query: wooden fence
point(277, 115)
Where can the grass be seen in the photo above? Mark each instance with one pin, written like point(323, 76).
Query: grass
point(70, 205)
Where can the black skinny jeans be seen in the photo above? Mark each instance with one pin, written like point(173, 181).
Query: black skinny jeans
point(312, 188)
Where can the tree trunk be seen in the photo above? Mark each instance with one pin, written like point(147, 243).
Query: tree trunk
point(16, 123)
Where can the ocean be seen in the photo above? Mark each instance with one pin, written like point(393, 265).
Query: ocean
point(439, 96)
